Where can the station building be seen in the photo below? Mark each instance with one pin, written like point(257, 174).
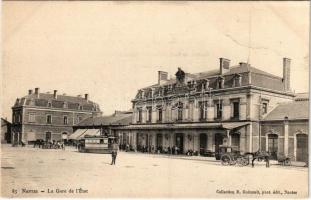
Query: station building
point(49, 116)
point(202, 111)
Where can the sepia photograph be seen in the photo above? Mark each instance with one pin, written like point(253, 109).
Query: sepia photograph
point(155, 99)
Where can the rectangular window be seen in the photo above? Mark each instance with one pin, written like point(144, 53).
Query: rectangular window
point(49, 119)
point(160, 113)
point(140, 115)
point(219, 110)
point(65, 120)
point(32, 117)
point(236, 110)
point(203, 110)
point(264, 108)
point(149, 114)
point(179, 116)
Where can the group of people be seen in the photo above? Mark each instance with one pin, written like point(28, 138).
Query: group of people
point(165, 150)
point(126, 147)
point(49, 144)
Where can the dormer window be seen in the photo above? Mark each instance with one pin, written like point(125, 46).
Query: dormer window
point(49, 104)
point(220, 83)
point(80, 107)
point(65, 105)
point(32, 102)
point(237, 81)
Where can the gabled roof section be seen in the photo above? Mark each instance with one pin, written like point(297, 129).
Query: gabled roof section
point(293, 110)
point(115, 119)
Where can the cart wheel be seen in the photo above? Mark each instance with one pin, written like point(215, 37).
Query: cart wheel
point(288, 162)
point(233, 162)
point(241, 161)
point(245, 161)
point(225, 160)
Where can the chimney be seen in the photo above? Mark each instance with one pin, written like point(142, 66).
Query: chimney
point(55, 94)
point(162, 77)
point(29, 92)
point(37, 90)
point(286, 73)
point(86, 97)
point(224, 65)
point(244, 64)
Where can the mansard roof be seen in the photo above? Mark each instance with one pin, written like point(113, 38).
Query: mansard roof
point(42, 100)
point(259, 77)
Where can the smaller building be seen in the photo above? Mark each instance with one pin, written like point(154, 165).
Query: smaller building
point(5, 131)
point(49, 116)
point(106, 125)
point(284, 131)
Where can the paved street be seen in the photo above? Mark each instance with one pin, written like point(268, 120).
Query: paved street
point(39, 171)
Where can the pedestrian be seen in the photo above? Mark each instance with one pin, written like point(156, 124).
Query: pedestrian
point(114, 154)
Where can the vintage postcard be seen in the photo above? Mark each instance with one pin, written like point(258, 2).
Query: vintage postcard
point(164, 99)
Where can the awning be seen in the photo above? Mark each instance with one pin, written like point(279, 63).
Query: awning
point(76, 135)
point(91, 132)
point(232, 125)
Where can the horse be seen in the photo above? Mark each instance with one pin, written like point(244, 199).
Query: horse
point(260, 155)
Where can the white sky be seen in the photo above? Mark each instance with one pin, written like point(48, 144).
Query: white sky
point(111, 49)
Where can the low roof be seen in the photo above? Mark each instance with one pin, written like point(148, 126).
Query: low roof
point(116, 119)
point(292, 110)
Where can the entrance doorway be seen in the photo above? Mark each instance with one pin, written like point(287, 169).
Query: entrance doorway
point(203, 143)
point(273, 145)
point(218, 141)
point(159, 141)
point(180, 142)
point(302, 147)
point(48, 136)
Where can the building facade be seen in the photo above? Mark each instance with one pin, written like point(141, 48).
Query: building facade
point(202, 111)
point(285, 130)
point(5, 131)
point(49, 116)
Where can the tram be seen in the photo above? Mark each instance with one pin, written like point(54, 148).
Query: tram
point(97, 144)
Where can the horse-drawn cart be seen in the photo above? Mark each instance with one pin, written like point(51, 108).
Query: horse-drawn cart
point(229, 155)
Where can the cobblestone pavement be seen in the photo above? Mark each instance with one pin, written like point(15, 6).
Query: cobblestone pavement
point(33, 172)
